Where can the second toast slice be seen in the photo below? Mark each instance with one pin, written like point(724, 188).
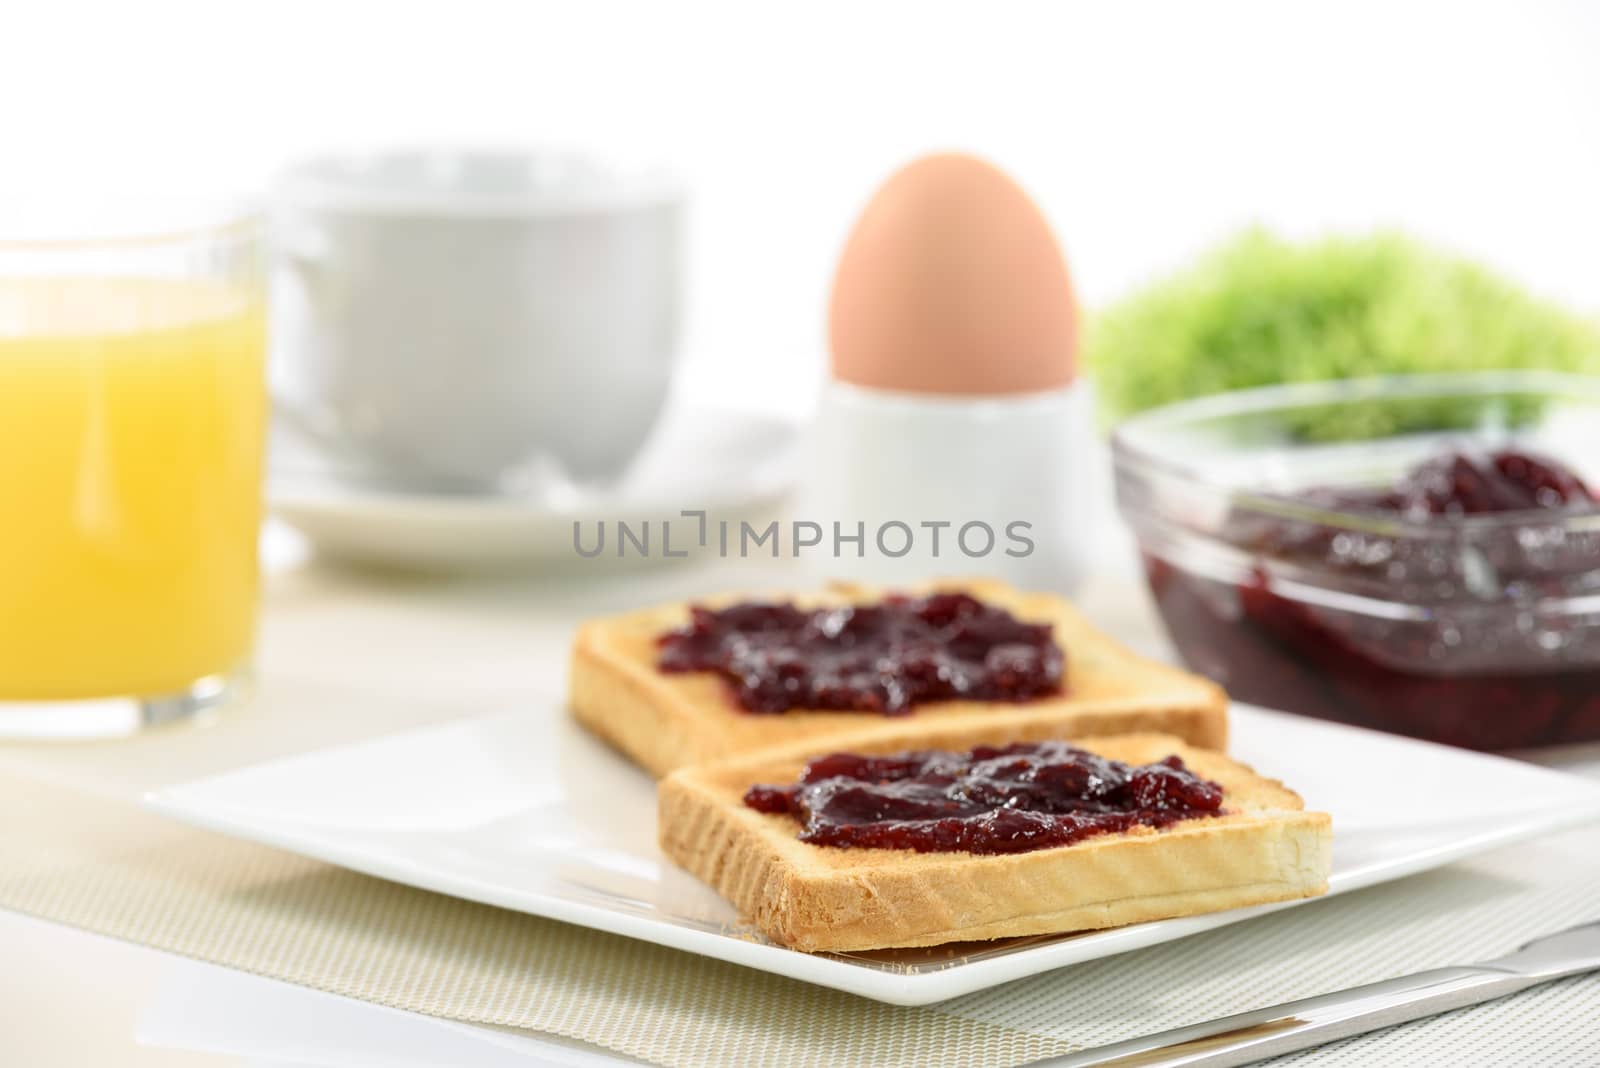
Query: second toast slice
point(1265, 847)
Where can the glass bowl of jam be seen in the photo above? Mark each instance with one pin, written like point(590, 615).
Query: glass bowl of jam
point(1415, 554)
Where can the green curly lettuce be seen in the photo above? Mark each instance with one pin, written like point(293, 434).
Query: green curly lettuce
point(1260, 310)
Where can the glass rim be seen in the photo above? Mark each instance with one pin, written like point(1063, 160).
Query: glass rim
point(1134, 451)
point(222, 219)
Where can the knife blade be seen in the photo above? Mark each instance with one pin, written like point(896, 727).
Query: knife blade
point(1295, 1025)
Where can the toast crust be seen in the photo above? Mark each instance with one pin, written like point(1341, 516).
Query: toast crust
point(664, 722)
point(1265, 848)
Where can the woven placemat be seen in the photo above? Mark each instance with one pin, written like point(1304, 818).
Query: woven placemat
point(106, 866)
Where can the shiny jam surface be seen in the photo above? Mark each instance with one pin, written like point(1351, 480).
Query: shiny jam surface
point(1476, 657)
point(881, 658)
point(990, 800)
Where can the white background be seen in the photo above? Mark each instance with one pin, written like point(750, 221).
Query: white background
point(1146, 130)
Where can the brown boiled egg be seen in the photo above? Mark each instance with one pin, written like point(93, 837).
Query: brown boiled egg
point(951, 282)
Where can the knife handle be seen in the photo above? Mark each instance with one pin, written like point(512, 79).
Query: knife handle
point(1252, 1036)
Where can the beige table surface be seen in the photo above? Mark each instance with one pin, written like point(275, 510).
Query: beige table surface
point(368, 654)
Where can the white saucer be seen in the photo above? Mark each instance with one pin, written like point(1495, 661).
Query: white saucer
point(732, 464)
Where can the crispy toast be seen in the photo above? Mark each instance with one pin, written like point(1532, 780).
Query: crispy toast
point(1264, 848)
point(664, 722)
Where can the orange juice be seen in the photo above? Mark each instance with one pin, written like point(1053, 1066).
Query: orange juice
point(132, 419)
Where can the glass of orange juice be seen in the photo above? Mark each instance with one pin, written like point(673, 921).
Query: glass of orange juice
point(132, 412)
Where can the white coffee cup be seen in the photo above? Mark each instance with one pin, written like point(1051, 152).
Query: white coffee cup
point(476, 320)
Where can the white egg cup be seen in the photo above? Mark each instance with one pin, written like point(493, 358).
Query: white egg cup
point(943, 470)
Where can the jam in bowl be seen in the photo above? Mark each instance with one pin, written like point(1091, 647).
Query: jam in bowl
point(1438, 578)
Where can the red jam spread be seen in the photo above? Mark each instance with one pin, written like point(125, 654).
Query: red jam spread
point(1472, 653)
point(884, 658)
point(1022, 797)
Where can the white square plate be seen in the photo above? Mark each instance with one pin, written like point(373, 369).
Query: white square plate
point(527, 812)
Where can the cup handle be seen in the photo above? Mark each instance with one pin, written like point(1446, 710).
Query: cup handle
point(304, 251)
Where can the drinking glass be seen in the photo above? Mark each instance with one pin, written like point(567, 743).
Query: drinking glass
point(132, 423)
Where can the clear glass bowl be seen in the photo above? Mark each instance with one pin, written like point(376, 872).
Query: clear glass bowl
point(1478, 630)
